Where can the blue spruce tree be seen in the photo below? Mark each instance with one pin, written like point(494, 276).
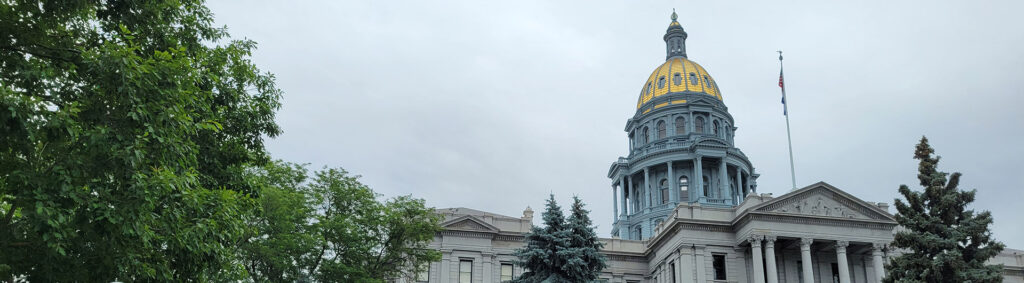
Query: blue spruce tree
point(540, 257)
point(583, 260)
point(945, 242)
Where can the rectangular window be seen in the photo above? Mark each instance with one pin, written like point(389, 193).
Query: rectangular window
point(800, 271)
point(423, 276)
point(835, 272)
point(466, 271)
point(673, 265)
point(718, 263)
point(506, 272)
point(664, 196)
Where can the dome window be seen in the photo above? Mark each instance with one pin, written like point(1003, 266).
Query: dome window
point(684, 188)
point(693, 79)
point(706, 83)
point(677, 78)
point(698, 124)
point(661, 129)
point(680, 126)
point(661, 82)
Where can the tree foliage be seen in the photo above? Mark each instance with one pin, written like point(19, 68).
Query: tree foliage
point(333, 229)
point(125, 128)
point(563, 250)
point(945, 241)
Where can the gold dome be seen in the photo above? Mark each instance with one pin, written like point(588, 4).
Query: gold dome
point(674, 76)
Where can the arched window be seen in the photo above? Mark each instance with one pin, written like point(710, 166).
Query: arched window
point(698, 124)
point(677, 78)
point(684, 188)
point(693, 79)
point(646, 136)
point(661, 129)
point(661, 82)
point(716, 127)
point(680, 126)
point(707, 186)
point(707, 83)
point(664, 191)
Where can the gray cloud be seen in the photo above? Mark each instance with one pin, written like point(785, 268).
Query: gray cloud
point(494, 105)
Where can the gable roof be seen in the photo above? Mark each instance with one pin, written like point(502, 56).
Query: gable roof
point(823, 200)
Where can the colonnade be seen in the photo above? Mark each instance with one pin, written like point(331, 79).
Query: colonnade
point(766, 260)
point(630, 199)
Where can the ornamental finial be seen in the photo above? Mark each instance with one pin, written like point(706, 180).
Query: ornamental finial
point(674, 16)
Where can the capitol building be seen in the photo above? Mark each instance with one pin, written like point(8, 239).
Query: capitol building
point(687, 207)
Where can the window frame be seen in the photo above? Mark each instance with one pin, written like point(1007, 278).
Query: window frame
point(511, 270)
point(723, 271)
point(462, 272)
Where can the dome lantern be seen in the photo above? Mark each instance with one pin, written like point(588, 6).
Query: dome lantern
point(675, 39)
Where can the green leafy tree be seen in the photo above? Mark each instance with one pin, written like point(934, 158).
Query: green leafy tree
point(125, 130)
point(945, 241)
point(540, 256)
point(583, 258)
point(282, 241)
point(364, 240)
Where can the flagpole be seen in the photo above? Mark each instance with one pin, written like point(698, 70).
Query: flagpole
point(785, 111)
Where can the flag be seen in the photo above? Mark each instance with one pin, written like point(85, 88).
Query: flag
point(783, 86)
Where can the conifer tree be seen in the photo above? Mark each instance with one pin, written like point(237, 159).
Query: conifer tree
point(540, 256)
point(944, 241)
point(583, 260)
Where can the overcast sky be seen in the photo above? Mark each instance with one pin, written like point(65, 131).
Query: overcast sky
point(492, 105)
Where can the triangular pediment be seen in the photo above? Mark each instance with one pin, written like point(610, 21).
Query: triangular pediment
point(469, 223)
point(823, 200)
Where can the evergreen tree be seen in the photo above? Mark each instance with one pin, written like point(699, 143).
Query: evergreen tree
point(945, 242)
point(583, 260)
point(540, 256)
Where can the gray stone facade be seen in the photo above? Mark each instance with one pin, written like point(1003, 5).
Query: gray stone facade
point(687, 208)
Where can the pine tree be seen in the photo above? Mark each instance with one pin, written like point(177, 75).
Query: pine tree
point(540, 255)
point(583, 260)
point(944, 241)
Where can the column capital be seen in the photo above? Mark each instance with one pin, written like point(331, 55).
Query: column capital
point(755, 240)
point(842, 245)
point(878, 246)
point(769, 241)
point(805, 243)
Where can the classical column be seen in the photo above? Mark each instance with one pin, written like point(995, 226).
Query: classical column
point(844, 266)
point(673, 191)
point(647, 187)
point(805, 257)
point(629, 186)
point(876, 259)
point(739, 185)
point(615, 204)
point(769, 257)
point(698, 176)
point(755, 248)
point(723, 180)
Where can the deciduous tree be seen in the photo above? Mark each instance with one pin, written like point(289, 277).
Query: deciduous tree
point(125, 127)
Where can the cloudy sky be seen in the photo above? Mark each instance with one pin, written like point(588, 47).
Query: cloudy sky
point(492, 105)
